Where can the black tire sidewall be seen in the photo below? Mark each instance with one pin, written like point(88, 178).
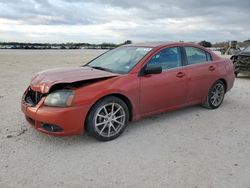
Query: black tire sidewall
point(91, 118)
point(210, 94)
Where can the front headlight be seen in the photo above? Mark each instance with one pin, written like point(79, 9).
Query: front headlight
point(63, 98)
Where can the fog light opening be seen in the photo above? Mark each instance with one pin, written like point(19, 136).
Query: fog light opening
point(51, 127)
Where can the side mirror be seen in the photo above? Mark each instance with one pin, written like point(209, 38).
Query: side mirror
point(152, 70)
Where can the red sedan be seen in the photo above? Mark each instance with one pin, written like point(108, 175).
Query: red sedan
point(126, 84)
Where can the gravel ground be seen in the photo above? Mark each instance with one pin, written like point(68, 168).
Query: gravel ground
point(192, 147)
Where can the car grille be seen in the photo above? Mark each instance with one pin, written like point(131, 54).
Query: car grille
point(244, 60)
point(32, 97)
point(242, 63)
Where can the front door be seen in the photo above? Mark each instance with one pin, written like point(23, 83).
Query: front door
point(165, 90)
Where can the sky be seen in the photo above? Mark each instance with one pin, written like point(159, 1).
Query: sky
point(97, 21)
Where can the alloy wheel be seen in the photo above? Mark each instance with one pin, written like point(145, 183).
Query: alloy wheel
point(217, 94)
point(109, 119)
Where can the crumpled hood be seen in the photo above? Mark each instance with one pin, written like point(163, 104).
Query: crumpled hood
point(244, 53)
point(44, 80)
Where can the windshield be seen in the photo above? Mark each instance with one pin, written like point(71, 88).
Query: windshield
point(247, 49)
point(120, 60)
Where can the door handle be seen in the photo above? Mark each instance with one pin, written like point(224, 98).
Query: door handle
point(211, 68)
point(180, 74)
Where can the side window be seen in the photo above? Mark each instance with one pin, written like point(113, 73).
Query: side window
point(196, 55)
point(167, 58)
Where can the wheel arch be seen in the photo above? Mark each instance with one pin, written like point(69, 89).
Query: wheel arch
point(118, 95)
point(127, 102)
point(224, 82)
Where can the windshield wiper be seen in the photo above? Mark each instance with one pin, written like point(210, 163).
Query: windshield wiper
point(101, 68)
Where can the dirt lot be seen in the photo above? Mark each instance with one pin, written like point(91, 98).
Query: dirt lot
point(191, 147)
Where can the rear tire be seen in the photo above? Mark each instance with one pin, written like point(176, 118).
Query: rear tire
point(108, 118)
point(215, 95)
point(236, 74)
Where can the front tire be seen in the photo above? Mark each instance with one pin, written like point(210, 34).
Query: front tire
point(215, 95)
point(108, 118)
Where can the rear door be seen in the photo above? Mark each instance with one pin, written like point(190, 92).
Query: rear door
point(201, 73)
point(167, 89)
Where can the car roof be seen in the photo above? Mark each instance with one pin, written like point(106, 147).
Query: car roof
point(158, 44)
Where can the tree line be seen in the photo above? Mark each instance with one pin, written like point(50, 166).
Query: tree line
point(71, 45)
point(105, 45)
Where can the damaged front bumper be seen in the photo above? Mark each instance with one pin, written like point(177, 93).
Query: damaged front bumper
point(242, 64)
point(59, 121)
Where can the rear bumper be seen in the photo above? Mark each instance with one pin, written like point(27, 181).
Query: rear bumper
point(70, 120)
